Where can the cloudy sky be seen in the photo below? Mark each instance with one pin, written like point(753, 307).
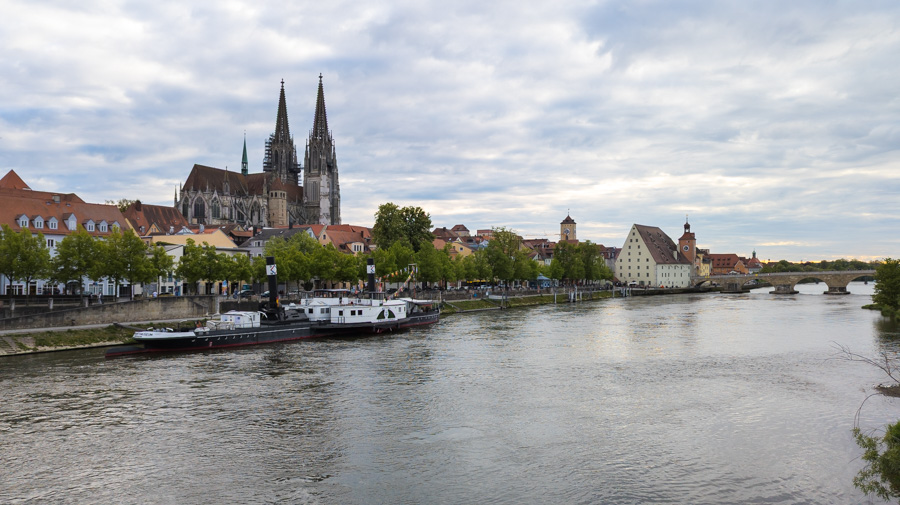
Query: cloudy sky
point(774, 125)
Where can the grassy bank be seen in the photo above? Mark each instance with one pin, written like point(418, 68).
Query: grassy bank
point(40, 341)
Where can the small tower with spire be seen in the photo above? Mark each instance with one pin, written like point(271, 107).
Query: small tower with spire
point(687, 244)
point(244, 164)
point(321, 190)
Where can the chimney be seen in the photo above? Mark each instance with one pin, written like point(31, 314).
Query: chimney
point(55, 198)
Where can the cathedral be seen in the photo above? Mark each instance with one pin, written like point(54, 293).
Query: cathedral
point(274, 197)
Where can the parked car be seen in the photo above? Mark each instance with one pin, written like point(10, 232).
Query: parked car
point(245, 293)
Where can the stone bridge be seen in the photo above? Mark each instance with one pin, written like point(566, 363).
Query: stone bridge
point(784, 282)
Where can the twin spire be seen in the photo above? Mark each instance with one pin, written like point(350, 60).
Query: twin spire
point(282, 130)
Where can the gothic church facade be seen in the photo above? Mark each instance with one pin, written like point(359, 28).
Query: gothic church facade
point(274, 197)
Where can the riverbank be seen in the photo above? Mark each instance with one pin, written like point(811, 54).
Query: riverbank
point(13, 343)
point(18, 342)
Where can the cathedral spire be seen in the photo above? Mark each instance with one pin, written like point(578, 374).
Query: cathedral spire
point(282, 130)
point(244, 164)
point(320, 122)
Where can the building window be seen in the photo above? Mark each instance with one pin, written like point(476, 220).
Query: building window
point(38, 222)
point(103, 226)
point(52, 223)
point(23, 222)
point(51, 243)
point(89, 226)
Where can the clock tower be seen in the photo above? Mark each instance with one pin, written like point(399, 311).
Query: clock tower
point(687, 244)
point(567, 229)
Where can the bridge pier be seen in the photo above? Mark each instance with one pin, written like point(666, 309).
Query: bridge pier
point(732, 287)
point(837, 290)
point(784, 289)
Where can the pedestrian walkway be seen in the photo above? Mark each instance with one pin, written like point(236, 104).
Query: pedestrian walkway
point(87, 326)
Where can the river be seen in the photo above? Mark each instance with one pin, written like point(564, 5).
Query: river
point(674, 399)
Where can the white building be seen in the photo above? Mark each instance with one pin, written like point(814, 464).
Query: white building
point(650, 258)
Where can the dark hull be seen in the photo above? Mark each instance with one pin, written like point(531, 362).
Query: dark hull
point(268, 334)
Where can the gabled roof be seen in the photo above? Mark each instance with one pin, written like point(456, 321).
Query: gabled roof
point(148, 216)
point(16, 203)
point(663, 250)
point(12, 181)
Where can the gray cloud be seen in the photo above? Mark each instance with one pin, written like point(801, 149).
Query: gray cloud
point(772, 125)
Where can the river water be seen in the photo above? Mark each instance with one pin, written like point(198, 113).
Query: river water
point(677, 399)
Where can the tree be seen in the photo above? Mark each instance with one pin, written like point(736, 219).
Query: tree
point(132, 251)
point(887, 286)
point(195, 266)
point(430, 264)
point(393, 224)
point(10, 250)
point(161, 264)
point(75, 257)
point(881, 474)
point(122, 204)
point(23, 256)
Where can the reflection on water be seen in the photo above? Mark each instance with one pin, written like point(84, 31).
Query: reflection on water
point(681, 399)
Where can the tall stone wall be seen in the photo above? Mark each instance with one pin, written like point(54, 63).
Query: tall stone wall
point(152, 309)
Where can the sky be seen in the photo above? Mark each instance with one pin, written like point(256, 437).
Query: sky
point(771, 126)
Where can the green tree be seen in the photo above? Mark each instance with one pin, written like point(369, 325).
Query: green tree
point(887, 286)
point(122, 256)
point(430, 264)
point(75, 257)
point(194, 264)
point(161, 264)
point(881, 475)
point(393, 224)
point(10, 249)
point(29, 256)
point(122, 203)
point(238, 269)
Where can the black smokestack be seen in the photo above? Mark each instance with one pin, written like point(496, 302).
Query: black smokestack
point(271, 272)
point(370, 270)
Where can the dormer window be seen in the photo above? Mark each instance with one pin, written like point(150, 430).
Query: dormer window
point(103, 226)
point(52, 223)
point(38, 222)
point(115, 226)
point(89, 225)
point(72, 223)
point(23, 221)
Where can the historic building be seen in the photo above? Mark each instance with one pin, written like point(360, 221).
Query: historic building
point(567, 229)
point(322, 193)
point(54, 215)
point(274, 197)
point(650, 258)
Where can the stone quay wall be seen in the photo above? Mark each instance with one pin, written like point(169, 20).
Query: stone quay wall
point(148, 309)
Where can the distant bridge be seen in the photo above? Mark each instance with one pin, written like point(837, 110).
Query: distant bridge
point(784, 282)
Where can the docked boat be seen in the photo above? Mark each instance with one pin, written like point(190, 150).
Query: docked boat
point(335, 313)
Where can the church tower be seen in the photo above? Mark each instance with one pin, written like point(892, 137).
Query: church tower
point(321, 191)
point(281, 154)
